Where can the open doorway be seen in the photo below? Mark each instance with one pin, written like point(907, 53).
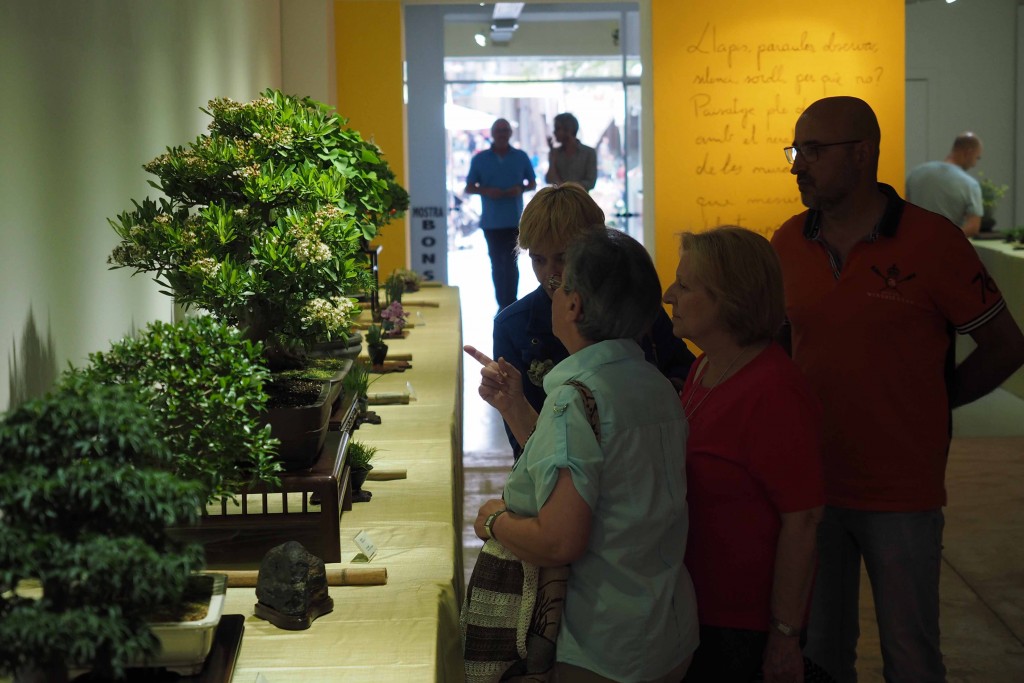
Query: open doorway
point(577, 58)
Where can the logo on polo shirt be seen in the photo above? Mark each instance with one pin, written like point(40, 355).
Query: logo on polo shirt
point(986, 284)
point(891, 279)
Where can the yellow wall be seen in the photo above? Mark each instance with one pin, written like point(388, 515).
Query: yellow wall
point(729, 81)
point(369, 48)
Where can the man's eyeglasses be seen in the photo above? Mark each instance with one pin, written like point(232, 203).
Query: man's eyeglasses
point(809, 152)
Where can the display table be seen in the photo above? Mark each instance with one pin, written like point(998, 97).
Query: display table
point(407, 630)
point(1006, 266)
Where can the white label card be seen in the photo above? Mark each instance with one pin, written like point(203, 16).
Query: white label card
point(362, 540)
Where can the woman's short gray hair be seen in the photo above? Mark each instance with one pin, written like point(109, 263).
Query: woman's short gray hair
point(617, 282)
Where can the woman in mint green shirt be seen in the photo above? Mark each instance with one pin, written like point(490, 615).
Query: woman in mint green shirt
point(614, 509)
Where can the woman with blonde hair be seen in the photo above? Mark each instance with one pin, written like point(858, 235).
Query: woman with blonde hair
point(753, 460)
point(522, 331)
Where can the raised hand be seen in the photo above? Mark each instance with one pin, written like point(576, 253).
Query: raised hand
point(501, 385)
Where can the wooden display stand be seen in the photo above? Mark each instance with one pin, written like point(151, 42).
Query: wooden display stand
point(268, 517)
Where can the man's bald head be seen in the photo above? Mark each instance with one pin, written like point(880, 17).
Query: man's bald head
point(966, 152)
point(850, 118)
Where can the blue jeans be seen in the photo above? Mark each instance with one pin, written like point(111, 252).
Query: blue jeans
point(902, 552)
point(503, 248)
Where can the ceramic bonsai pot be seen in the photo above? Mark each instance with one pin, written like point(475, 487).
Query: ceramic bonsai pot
point(302, 430)
point(377, 353)
point(184, 645)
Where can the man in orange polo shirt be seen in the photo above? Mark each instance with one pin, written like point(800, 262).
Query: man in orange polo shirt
point(875, 288)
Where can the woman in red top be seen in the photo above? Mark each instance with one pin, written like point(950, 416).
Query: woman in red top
point(753, 460)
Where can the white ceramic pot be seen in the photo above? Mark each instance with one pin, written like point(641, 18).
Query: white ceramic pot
point(184, 645)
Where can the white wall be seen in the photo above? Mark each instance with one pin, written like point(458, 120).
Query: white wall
point(91, 90)
point(967, 53)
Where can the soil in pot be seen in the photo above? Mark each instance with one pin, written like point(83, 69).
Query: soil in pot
point(299, 412)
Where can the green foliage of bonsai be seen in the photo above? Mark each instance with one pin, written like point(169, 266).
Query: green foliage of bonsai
point(264, 221)
point(86, 498)
point(991, 193)
point(358, 381)
point(358, 455)
point(205, 383)
point(412, 279)
point(394, 288)
point(319, 369)
point(374, 335)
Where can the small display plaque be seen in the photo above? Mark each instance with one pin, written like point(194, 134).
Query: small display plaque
point(362, 540)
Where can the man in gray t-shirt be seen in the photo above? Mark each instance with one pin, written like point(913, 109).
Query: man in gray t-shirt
point(945, 187)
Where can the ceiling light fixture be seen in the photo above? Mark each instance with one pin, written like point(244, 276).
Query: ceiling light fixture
point(507, 10)
point(504, 21)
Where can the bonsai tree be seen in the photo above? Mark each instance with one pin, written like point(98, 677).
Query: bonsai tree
point(392, 320)
point(991, 193)
point(359, 455)
point(374, 335)
point(411, 278)
point(357, 381)
point(205, 383)
point(375, 346)
point(263, 221)
point(394, 288)
point(86, 499)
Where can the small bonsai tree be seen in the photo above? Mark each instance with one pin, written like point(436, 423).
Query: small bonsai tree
point(412, 279)
point(374, 335)
point(359, 455)
point(86, 500)
point(394, 288)
point(264, 221)
point(392, 320)
point(205, 383)
point(991, 193)
point(357, 382)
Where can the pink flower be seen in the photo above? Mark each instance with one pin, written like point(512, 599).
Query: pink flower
point(393, 319)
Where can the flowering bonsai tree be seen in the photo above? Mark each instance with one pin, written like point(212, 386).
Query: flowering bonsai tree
point(264, 221)
point(392, 320)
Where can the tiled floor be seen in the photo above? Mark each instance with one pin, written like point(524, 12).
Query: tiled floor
point(982, 585)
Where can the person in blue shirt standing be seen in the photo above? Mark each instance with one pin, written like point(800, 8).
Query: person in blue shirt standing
point(500, 175)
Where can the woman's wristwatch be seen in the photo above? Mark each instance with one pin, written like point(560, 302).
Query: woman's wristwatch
point(490, 521)
point(782, 627)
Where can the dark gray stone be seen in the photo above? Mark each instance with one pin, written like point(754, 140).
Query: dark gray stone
point(291, 580)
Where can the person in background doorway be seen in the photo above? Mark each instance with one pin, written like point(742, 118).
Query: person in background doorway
point(571, 160)
point(946, 188)
point(500, 175)
point(523, 335)
point(875, 287)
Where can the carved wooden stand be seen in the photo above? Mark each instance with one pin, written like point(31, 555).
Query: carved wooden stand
point(268, 517)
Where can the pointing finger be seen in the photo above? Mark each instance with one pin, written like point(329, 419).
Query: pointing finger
point(478, 355)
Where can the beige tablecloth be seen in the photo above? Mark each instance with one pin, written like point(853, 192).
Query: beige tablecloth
point(408, 629)
point(1006, 266)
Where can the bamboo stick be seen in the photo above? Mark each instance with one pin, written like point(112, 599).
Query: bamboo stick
point(336, 576)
